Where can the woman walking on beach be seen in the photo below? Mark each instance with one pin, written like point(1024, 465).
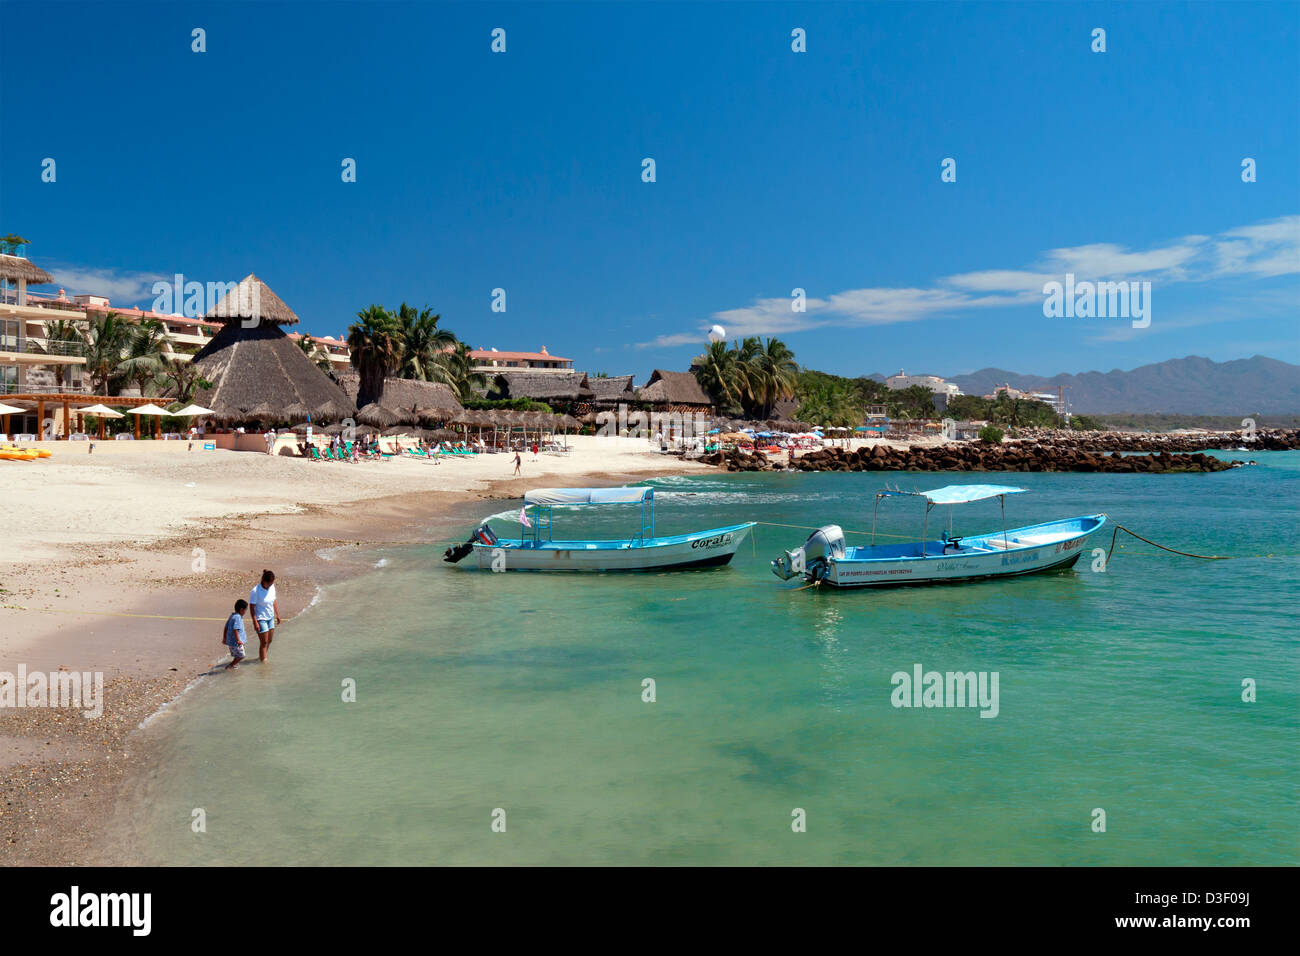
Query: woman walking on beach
point(518, 462)
point(266, 615)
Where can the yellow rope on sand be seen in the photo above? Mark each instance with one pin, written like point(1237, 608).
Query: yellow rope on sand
point(57, 610)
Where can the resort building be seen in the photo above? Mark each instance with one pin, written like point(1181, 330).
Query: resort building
point(490, 361)
point(35, 357)
point(933, 382)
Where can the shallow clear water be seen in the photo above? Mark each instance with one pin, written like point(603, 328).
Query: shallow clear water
point(475, 691)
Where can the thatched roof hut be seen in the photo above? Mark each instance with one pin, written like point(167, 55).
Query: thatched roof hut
point(411, 399)
point(251, 362)
point(674, 390)
point(252, 300)
point(14, 268)
point(378, 415)
point(611, 391)
point(543, 386)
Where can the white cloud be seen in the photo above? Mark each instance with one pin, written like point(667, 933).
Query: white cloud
point(1256, 251)
point(126, 289)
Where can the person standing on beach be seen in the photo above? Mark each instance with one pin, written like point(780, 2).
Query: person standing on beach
point(266, 615)
point(518, 462)
point(232, 635)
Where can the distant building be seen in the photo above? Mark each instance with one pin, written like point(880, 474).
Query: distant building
point(1050, 399)
point(489, 361)
point(933, 382)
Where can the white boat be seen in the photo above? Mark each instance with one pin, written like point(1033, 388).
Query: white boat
point(641, 552)
point(1050, 546)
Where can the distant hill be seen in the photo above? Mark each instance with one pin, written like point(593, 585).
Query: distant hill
point(1189, 386)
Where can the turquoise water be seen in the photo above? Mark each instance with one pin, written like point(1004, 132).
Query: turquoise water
point(476, 691)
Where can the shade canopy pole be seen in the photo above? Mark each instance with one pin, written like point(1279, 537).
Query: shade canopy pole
point(1003, 500)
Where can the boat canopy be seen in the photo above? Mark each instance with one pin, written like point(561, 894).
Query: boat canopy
point(961, 494)
point(588, 496)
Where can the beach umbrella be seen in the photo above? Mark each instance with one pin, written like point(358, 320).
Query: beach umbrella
point(335, 429)
point(191, 410)
point(396, 430)
point(101, 411)
point(15, 410)
point(150, 409)
point(294, 410)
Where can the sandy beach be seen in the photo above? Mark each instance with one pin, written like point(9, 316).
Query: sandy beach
point(127, 561)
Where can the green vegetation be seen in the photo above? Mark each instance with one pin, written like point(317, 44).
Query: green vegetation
point(748, 377)
point(827, 399)
point(1086, 423)
point(1003, 410)
point(991, 434)
point(407, 344)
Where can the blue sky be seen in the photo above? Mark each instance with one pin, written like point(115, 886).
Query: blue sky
point(775, 170)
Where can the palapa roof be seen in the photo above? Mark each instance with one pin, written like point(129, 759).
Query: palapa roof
point(409, 395)
point(673, 388)
point(252, 299)
point(16, 267)
point(612, 389)
point(543, 386)
point(260, 366)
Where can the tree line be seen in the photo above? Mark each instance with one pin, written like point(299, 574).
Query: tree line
point(410, 344)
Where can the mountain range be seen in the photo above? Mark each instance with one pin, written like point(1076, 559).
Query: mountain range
point(1189, 386)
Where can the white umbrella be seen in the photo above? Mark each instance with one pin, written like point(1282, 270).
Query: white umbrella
point(190, 410)
point(149, 409)
point(11, 410)
point(103, 411)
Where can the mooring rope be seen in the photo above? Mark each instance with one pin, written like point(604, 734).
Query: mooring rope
point(1186, 554)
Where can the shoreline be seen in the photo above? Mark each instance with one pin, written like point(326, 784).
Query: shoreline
point(147, 612)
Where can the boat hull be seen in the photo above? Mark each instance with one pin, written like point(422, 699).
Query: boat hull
point(1052, 546)
point(701, 549)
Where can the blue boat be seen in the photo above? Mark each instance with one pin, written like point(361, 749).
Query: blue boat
point(643, 551)
point(1050, 546)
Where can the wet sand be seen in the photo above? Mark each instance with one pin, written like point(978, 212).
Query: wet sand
point(130, 570)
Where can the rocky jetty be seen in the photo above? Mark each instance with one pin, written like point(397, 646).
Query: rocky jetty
point(978, 456)
point(1267, 440)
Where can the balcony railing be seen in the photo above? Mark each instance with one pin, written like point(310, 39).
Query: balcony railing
point(11, 388)
point(34, 346)
point(35, 300)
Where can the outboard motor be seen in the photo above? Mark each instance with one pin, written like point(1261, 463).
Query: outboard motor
point(810, 560)
point(482, 535)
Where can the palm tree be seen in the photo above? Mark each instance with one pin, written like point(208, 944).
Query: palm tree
point(105, 344)
point(719, 375)
point(777, 374)
point(63, 331)
point(750, 373)
point(146, 348)
point(456, 369)
point(375, 341)
point(423, 343)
